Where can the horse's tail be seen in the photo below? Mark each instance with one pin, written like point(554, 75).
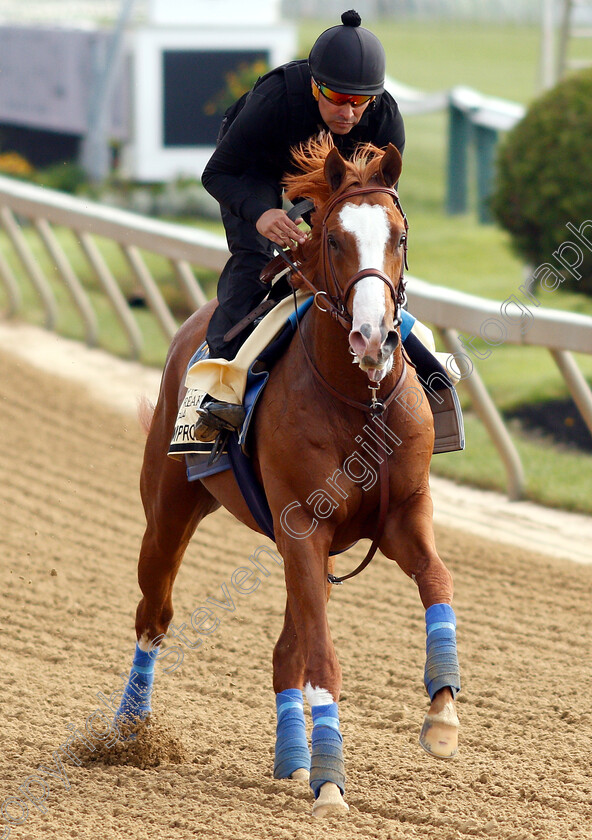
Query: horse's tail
point(145, 413)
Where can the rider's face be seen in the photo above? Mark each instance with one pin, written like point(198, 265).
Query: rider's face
point(340, 119)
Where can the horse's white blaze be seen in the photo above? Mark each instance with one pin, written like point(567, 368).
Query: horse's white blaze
point(317, 696)
point(369, 226)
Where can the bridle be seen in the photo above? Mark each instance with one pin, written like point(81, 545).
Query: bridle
point(336, 303)
point(336, 307)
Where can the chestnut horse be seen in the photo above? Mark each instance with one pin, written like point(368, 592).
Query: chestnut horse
point(315, 410)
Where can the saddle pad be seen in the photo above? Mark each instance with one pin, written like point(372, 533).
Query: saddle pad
point(439, 388)
point(183, 441)
point(226, 380)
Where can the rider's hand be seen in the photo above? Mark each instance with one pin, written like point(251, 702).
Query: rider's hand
point(277, 226)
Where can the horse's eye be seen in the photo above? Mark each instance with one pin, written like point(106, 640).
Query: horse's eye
point(332, 242)
point(403, 240)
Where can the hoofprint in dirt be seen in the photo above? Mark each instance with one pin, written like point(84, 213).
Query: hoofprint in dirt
point(70, 525)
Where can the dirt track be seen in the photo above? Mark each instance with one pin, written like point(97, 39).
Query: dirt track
point(70, 525)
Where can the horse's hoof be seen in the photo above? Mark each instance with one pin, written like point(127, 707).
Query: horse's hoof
point(300, 775)
point(439, 734)
point(330, 802)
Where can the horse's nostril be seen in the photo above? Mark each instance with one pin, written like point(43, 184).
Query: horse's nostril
point(358, 342)
point(390, 343)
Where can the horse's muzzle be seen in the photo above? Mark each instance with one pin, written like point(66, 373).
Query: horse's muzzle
point(372, 351)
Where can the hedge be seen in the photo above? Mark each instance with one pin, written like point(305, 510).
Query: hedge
point(544, 180)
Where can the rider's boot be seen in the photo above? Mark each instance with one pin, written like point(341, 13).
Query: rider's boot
point(216, 416)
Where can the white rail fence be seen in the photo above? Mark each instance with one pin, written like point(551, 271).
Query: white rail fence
point(448, 311)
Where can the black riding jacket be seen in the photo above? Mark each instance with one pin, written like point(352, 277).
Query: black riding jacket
point(280, 112)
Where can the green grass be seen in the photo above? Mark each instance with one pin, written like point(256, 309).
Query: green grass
point(453, 251)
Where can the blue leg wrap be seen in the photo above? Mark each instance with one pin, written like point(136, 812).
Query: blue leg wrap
point(327, 749)
point(136, 696)
point(441, 669)
point(291, 745)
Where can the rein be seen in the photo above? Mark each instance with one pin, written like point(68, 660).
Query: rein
point(337, 309)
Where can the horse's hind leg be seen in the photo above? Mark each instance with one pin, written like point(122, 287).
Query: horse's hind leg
point(292, 756)
point(173, 508)
point(409, 540)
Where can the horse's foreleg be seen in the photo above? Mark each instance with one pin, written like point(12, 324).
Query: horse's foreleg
point(306, 582)
point(173, 509)
point(439, 733)
point(292, 756)
point(409, 540)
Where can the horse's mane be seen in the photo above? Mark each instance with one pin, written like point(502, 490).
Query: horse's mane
point(309, 160)
point(308, 181)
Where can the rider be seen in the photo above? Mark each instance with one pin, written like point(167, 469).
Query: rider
point(340, 89)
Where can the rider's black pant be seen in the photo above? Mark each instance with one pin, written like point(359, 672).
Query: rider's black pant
point(239, 288)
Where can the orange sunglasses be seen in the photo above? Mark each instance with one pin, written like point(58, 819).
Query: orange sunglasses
point(355, 100)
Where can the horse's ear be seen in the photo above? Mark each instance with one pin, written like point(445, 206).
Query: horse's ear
point(391, 166)
point(334, 169)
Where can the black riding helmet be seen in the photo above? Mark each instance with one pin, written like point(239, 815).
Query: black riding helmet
point(349, 58)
